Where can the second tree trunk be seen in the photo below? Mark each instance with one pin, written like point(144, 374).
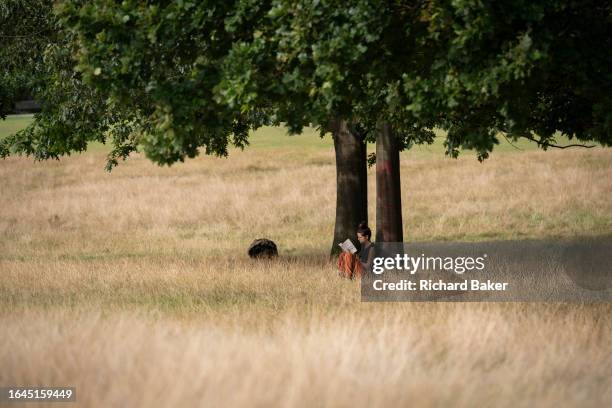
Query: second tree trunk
point(388, 191)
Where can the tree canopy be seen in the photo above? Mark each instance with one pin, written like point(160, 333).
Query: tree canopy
point(524, 68)
point(171, 78)
point(25, 31)
point(105, 75)
point(476, 69)
point(38, 53)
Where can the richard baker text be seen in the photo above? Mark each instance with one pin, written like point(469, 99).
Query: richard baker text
point(430, 285)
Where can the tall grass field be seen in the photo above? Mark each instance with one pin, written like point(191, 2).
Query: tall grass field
point(135, 287)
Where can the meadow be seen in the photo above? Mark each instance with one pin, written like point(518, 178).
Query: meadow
point(135, 287)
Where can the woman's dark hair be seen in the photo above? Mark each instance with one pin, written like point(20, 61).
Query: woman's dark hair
point(364, 230)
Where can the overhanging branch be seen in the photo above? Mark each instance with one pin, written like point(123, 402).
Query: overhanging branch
point(540, 143)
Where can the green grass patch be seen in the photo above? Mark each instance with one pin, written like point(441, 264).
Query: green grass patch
point(14, 123)
point(278, 138)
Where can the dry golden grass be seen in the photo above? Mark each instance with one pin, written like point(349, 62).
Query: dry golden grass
point(135, 286)
point(460, 355)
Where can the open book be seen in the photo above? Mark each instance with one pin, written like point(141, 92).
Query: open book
point(347, 246)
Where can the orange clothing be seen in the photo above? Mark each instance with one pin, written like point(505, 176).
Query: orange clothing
point(349, 266)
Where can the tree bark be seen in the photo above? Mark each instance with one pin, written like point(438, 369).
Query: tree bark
point(389, 226)
point(351, 183)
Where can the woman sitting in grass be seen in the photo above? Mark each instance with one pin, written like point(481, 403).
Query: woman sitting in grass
point(352, 265)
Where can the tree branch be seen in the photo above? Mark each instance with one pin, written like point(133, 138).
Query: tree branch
point(540, 143)
point(511, 144)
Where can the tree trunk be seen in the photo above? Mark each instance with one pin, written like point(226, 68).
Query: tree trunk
point(388, 191)
point(351, 183)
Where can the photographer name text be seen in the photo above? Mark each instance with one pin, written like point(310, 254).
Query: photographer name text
point(440, 285)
